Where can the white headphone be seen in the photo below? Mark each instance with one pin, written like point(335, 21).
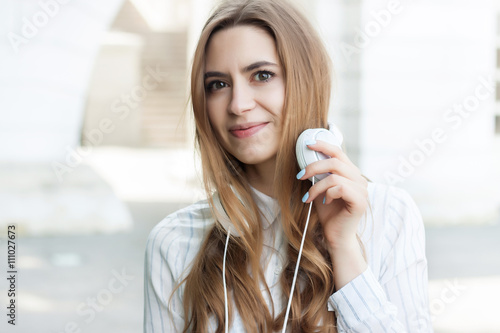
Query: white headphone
point(305, 156)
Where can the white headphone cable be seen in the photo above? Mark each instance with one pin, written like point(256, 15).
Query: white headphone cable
point(297, 267)
point(226, 310)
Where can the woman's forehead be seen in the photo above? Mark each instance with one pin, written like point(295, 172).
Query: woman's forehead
point(239, 46)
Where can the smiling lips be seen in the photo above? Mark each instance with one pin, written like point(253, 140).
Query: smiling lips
point(246, 130)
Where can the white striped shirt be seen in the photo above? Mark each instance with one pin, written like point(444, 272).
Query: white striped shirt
point(390, 296)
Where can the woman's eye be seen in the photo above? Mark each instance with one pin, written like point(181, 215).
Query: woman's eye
point(215, 85)
point(263, 76)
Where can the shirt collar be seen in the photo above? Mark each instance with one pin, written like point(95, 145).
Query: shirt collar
point(268, 206)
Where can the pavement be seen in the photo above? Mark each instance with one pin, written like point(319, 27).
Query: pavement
point(93, 283)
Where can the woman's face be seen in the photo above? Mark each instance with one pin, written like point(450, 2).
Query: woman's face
point(245, 92)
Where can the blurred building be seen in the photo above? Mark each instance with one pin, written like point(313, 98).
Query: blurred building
point(47, 59)
point(140, 76)
point(417, 101)
point(415, 96)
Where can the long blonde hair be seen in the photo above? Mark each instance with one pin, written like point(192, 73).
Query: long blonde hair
point(306, 68)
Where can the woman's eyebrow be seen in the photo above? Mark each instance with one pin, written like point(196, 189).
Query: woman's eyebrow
point(248, 68)
point(258, 64)
point(214, 74)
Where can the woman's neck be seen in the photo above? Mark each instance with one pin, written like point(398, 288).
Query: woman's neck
point(261, 176)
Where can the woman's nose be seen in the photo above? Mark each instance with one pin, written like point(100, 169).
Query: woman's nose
point(242, 99)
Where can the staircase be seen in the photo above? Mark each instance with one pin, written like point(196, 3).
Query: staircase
point(164, 109)
point(163, 112)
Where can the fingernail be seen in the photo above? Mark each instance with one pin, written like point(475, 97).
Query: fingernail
point(305, 197)
point(324, 200)
point(310, 142)
point(301, 173)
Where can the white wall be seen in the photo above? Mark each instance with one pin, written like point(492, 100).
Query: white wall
point(48, 57)
point(409, 69)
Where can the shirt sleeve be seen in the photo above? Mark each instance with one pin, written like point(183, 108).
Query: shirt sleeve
point(396, 301)
point(161, 314)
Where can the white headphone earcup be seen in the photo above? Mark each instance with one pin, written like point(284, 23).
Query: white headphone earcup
point(306, 156)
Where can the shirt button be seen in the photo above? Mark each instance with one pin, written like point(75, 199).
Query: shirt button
point(277, 270)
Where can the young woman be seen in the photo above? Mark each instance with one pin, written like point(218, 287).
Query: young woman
point(260, 77)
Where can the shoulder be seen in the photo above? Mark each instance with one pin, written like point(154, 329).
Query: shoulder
point(392, 204)
point(393, 229)
point(176, 240)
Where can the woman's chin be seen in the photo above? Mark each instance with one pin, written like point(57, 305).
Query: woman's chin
point(256, 159)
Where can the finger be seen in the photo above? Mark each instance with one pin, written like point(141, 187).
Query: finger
point(321, 189)
point(353, 196)
point(330, 150)
point(333, 166)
